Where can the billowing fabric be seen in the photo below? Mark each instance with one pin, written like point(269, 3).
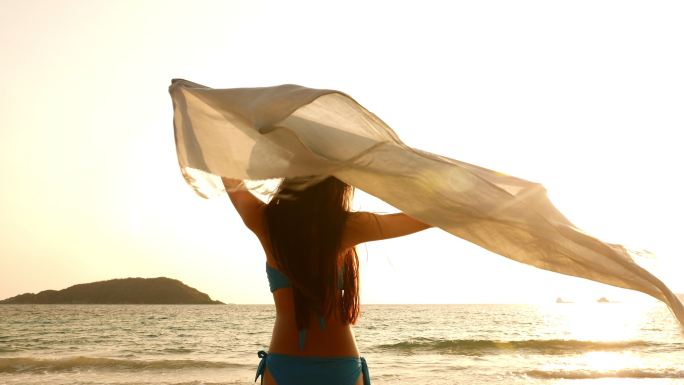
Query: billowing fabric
point(294, 131)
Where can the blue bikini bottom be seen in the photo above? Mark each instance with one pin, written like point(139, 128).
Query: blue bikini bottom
point(304, 370)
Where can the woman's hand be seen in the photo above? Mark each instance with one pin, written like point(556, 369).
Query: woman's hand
point(230, 183)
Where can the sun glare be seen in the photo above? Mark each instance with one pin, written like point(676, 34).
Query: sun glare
point(604, 322)
point(612, 334)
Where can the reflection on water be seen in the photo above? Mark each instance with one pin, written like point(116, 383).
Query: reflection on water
point(605, 322)
point(610, 361)
point(551, 344)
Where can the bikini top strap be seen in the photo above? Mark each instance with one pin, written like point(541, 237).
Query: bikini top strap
point(302, 332)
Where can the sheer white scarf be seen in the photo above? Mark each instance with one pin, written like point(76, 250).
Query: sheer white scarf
point(293, 131)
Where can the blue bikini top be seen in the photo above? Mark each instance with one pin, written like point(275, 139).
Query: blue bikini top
point(278, 280)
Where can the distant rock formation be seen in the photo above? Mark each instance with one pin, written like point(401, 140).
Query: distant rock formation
point(119, 291)
point(561, 300)
point(603, 300)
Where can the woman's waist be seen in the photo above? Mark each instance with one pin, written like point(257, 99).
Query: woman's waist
point(325, 339)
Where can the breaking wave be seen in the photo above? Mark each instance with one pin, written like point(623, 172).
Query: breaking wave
point(75, 364)
point(589, 374)
point(492, 346)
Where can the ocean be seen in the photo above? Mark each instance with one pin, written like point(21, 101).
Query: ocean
point(612, 343)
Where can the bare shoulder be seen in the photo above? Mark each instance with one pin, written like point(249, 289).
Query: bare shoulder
point(251, 209)
point(360, 227)
point(353, 229)
point(258, 225)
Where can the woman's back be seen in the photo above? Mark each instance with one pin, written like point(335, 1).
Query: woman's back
point(312, 268)
point(331, 337)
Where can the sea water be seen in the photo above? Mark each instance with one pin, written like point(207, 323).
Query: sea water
point(609, 343)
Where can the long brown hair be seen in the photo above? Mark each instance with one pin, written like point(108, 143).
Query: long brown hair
point(305, 229)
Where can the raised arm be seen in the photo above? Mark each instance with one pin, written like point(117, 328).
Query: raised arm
point(366, 227)
point(250, 208)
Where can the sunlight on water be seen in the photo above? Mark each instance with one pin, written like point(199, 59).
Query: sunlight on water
point(605, 322)
point(609, 361)
point(554, 344)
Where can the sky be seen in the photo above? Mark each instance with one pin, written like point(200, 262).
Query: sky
point(584, 97)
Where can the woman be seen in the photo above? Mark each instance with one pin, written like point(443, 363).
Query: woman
point(309, 237)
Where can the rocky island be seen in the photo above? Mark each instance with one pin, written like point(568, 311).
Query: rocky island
point(160, 290)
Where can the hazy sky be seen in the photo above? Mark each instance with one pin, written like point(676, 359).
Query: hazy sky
point(583, 96)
